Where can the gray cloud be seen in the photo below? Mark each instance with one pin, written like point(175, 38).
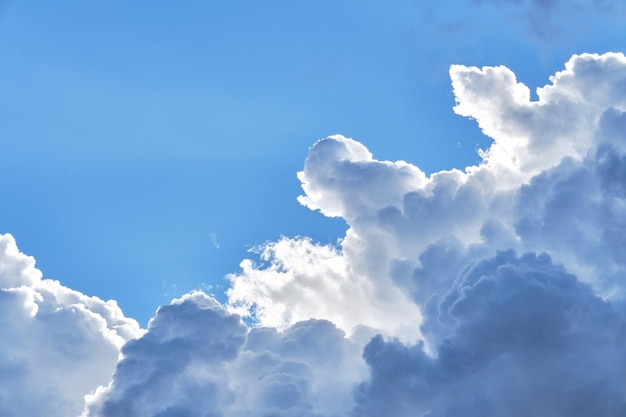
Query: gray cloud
point(196, 359)
point(515, 336)
point(177, 367)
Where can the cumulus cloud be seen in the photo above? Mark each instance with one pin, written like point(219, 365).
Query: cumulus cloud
point(551, 183)
point(300, 280)
point(177, 366)
point(515, 336)
point(57, 345)
point(494, 290)
point(197, 359)
point(517, 198)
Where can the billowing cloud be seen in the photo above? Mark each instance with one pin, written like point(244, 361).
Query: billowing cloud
point(515, 336)
point(57, 345)
point(303, 280)
point(517, 198)
point(178, 365)
point(551, 183)
point(199, 360)
point(494, 290)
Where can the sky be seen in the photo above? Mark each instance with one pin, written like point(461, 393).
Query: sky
point(313, 209)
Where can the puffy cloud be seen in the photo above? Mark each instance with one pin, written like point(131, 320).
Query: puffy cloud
point(57, 345)
point(196, 359)
point(469, 327)
point(550, 183)
point(177, 367)
point(396, 213)
point(301, 280)
point(340, 173)
point(531, 136)
point(307, 370)
point(515, 336)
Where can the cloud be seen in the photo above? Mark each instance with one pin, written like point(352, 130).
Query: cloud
point(196, 359)
point(515, 336)
point(300, 280)
point(177, 365)
point(57, 345)
point(396, 213)
point(550, 186)
point(493, 290)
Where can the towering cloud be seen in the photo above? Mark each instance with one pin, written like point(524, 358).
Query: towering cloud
point(550, 173)
point(497, 290)
point(499, 315)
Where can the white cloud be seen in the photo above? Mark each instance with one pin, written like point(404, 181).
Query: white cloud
point(57, 345)
point(533, 136)
point(510, 274)
point(551, 182)
point(395, 212)
point(302, 280)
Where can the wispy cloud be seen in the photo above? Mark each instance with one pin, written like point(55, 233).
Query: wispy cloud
point(213, 238)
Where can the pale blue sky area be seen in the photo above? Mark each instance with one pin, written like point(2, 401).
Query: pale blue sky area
point(137, 137)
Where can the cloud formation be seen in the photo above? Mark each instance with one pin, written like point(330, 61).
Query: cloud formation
point(551, 183)
point(302, 280)
point(494, 290)
point(514, 336)
point(518, 198)
point(199, 360)
point(57, 345)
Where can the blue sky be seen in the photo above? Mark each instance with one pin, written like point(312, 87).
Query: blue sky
point(147, 147)
point(131, 132)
